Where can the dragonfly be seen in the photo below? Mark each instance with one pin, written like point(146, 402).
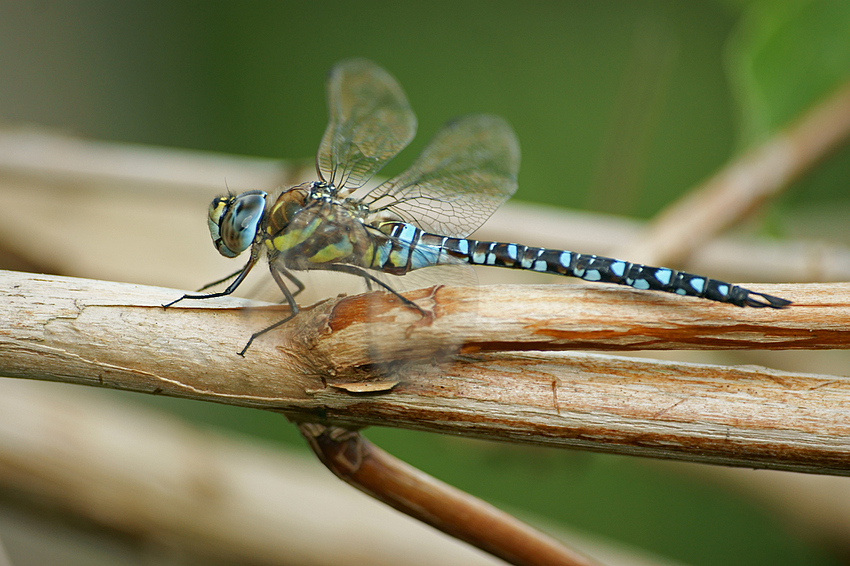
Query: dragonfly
point(419, 219)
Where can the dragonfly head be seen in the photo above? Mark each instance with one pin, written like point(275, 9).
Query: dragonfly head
point(234, 221)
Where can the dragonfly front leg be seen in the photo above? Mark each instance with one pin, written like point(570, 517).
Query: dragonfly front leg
point(289, 275)
point(240, 277)
point(220, 281)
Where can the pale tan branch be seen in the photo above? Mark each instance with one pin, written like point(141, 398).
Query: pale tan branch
point(323, 364)
point(745, 184)
point(52, 158)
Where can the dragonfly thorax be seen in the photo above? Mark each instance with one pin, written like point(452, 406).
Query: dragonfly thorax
point(328, 193)
point(287, 205)
point(321, 191)
point(235, 220)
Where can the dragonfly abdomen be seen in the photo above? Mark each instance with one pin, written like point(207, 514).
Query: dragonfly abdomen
point(413, 249)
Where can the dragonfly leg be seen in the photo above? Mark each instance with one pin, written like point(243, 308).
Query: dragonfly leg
point(240, 277)
point(219, 281)
point(288, 274)
point(290, 298)
point(354, 270)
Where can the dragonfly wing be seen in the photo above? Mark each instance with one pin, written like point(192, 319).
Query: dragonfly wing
point(369, 121)
point(467, 171)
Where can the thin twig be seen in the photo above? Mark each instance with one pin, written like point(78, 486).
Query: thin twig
point(323, 364)
point(744, 185)
point(371, 470)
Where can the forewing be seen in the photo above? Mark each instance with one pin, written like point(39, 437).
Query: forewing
point(369, 121)
point(467, 171)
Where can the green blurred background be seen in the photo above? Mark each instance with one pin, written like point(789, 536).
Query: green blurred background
point(620, 107)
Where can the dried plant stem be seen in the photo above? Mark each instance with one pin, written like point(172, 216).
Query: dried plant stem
point(321, 366)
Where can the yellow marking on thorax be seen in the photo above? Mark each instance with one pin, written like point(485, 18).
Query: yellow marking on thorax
point(369, 254)
point(292, 237)
point(341, 249)
point(398, 258)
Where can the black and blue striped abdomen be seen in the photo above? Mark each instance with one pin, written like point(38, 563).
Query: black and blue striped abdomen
point(413, 249)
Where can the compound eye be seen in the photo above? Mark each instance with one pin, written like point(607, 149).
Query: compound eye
point(234, 221)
